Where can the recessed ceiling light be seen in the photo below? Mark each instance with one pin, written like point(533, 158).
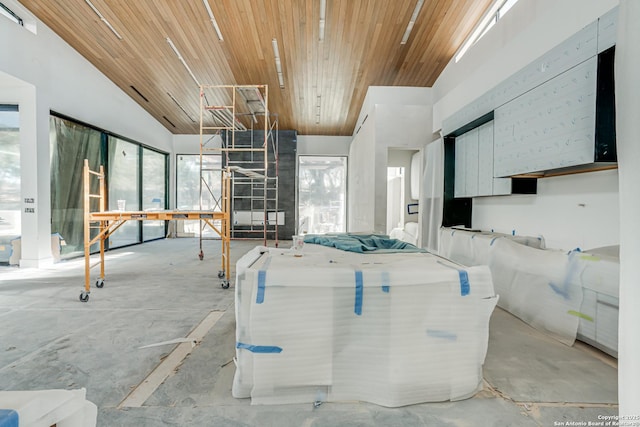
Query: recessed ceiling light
point(412, 22)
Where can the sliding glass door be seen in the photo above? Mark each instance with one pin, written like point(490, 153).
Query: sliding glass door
point(136, 176)
point(154, 191)
point(124, 188)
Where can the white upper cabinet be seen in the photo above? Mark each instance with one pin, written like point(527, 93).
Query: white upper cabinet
point(549, 127)
point(474, 165)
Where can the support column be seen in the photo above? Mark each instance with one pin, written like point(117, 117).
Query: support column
point(35, 180)
point(627, 70)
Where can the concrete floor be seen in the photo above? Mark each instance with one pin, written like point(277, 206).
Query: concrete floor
point(160, 291)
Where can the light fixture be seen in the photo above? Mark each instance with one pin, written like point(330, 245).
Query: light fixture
point(170, 122)
point(175, 50)
point(213, 20)
point(412, 21)
point(103, 19)
point(323, 12)
point(276, 54)
point(181, 107)
point(318, 102)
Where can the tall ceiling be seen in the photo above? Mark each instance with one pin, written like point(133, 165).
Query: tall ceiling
point(325, 81)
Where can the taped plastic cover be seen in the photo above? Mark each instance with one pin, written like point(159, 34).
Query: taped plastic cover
point(420, 342)
point(541, 287)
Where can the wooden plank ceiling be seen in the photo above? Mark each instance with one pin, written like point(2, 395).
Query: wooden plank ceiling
point(361, 48)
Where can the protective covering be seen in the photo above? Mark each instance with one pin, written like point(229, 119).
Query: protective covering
point(329, 325)
point(541, 287)
point(561, 293)
point(409, 233)
point(600, 306)
point(63, 408)
point(362, 243)
point(472, 247)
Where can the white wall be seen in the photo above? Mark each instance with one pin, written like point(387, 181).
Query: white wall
point(392, 95)
point(321, 145)
point(569, 211)
point(47, 74)
point(391, 117)
point(361, 182)
point(531, 28)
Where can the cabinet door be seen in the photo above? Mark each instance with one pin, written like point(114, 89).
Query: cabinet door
point(459, 188)
point(485, 159)
point(471, 160)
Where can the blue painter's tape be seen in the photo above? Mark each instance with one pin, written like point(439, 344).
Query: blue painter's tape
point(465, 288)
point(259, 348)
point(385, 281)
point(262, 276)
point(359, 289)
point(449, 336)
point(563, 291)
point(9, 418)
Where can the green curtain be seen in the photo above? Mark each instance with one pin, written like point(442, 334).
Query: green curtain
point(71, 143)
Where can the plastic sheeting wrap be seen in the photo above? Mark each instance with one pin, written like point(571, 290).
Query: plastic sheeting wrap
point(599, 312)
point(472, 247)
point(541, 287)
point(61, 408)
point(328, 325)
point(564, 294)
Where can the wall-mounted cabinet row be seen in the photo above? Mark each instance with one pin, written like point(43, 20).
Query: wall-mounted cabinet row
point(563, 122)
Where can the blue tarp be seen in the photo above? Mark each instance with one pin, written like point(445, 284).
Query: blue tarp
point(8, 418)
point(362, 243)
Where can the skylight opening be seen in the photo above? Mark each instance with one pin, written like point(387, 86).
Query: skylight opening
point(495, 13)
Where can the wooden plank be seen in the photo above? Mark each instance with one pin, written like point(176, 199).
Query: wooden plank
point(170, 364)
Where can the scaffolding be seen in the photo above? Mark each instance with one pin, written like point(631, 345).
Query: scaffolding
point(102, 223)
point(235, 122)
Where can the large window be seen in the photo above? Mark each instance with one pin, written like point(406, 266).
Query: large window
point(136, 176)
point(189, 185)
point(493, 15)
point(322, 189)
point(9, 179)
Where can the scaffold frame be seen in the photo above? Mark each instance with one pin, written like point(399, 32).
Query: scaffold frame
point(236, 109)
point(107, 222)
